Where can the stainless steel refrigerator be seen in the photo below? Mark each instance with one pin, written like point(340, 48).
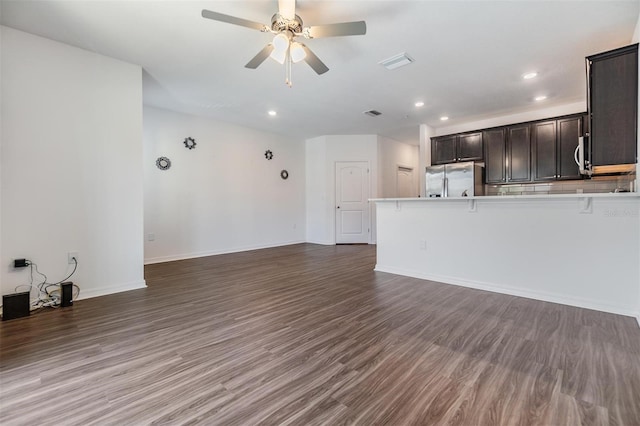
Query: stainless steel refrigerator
point(455, 180)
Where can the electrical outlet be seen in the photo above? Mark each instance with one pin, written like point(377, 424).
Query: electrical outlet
point(151, 237)
point(423, 244)
point(70, 256)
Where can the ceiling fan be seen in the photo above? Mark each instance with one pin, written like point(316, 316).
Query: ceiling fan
point(286, 26)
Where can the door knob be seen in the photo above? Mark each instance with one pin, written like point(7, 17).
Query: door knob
point(338, 207)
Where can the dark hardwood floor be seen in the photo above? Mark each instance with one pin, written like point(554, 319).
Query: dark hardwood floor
point(310, 335)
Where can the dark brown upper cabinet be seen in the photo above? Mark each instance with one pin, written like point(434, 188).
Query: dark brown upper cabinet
point(507, 154)
point(518, 153)
point(470, 147)
point(553, 146)
point(495, 155)
point(443, 149)
point(544, 151)
point(525, 152)
point(456, 148)
point(569, 131)
point(613, 106)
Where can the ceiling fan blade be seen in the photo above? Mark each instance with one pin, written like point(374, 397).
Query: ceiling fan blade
point(314, 62)
point(287, 9)
point(260, 57)
point(336, 30)
point(232, 20)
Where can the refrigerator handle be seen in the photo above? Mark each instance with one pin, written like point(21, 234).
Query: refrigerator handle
point(445, 187)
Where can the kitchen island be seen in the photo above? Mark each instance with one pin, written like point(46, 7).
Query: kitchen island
point(575, 249)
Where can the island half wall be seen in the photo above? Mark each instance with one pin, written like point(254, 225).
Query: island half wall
point(576, 249)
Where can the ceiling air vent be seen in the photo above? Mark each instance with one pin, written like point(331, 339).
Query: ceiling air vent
point(397, 61)
point(372, 113)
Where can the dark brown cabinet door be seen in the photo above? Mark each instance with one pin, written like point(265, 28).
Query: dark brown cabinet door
point(443, 150)
point(470, 147)
point(613, 95)
point(569, 130)
point(494, 155)
point(519, 153)
point(543, 150)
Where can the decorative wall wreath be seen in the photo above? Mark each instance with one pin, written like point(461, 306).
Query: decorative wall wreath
point(189, 143)
point(163, 163)
point(284, 174)
point(268, 154)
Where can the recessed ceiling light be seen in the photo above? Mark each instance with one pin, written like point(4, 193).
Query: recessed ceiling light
point(529, 75)
point(419, 104)
point(444, 118)
point(540, 98)
point(272, 113)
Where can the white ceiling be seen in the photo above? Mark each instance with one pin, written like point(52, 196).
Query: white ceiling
point(469, 57)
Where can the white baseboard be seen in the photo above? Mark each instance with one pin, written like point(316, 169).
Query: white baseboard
point(529, 294)
point(87, 294)
point(323, 243)
point(174, 257)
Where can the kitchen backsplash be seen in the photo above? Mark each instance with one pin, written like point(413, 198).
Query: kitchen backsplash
point(596, 184)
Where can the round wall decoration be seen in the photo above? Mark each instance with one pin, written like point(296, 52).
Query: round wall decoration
point(268, 154)
point(189, 143)
point(284, 174)
point(163, 163)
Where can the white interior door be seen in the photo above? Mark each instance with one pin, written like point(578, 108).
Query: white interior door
point(404, 182)
point(352, 202)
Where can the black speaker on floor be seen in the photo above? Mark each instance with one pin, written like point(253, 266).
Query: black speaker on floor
point(66, 294)
point(15, 305)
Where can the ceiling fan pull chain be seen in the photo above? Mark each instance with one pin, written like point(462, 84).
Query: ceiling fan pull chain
point(287, 79)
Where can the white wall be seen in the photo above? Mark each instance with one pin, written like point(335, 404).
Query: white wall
point(321, 157)
point(71, 165)
point(426, 133)
point(391, 155)
point(224, 195)
point(317, 192)
point(540, 248)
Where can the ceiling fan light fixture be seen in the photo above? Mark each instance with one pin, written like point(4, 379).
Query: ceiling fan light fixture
point(297, 52)
point(280, 47)
point(281, 42)
point(279, 56)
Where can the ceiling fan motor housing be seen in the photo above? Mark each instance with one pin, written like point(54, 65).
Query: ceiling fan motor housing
point(280, 24)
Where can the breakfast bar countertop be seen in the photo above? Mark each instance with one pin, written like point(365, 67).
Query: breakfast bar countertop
point(520, 197)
